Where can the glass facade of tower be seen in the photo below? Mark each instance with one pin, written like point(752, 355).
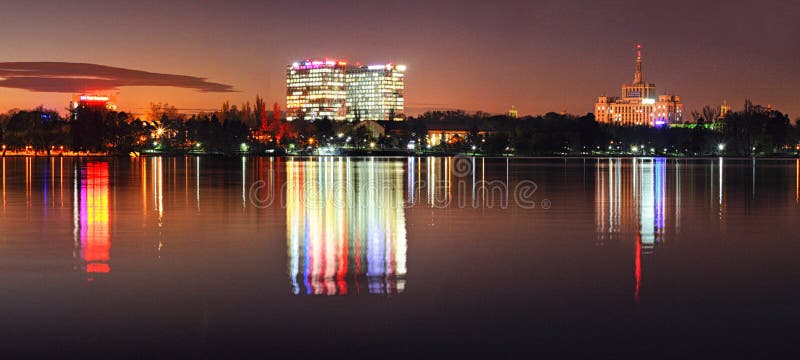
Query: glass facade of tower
point(375, 92)
point(315, 89)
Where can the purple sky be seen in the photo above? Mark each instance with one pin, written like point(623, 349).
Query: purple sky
point(476, 55)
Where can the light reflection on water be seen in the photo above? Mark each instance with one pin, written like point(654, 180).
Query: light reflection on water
point(345, 227)
point(631, 197)
point(439, 235)
point(91, 217)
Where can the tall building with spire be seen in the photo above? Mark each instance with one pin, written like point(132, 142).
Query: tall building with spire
point(513, 113)
point(638, 104)
point(724, 109)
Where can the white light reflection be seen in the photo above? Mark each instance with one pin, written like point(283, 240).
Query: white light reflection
point(345, 231)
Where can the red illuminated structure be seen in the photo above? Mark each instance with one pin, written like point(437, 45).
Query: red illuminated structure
point(91, 102)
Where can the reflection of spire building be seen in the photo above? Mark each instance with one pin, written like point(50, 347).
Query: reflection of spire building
point(91, 217)
point(345, 226)
point(616, 201)
point(630, 199)
point(651, 210)
point(639, 104)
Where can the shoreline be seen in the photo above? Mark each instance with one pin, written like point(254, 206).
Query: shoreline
point(440, 155)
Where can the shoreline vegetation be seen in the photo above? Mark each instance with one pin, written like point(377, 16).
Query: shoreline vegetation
point(253, 130)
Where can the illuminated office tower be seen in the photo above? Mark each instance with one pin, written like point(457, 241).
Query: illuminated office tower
point(375, 92)
point(639, 105)
point(315, 89)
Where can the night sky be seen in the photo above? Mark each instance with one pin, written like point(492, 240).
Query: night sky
point(475, 55)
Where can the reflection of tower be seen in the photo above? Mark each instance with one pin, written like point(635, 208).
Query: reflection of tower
point(615, 200)
point(651, 213)
point(653, 198)
point(345, 224)
point(91, 217)
point(4, 184)
point(630, 203)
point(157, 165)
point(637, 273)
point(659, 189)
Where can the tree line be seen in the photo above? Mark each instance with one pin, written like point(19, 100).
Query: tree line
point(753, 130)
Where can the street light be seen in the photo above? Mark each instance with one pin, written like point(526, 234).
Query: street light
point(721, 147)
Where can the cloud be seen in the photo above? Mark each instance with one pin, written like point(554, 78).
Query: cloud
point(64, 77)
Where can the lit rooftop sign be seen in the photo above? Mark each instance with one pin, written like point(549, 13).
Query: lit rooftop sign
point(387, 67)
point(93, 98)
point(316, 64)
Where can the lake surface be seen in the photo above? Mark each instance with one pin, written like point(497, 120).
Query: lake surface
point(650, 257)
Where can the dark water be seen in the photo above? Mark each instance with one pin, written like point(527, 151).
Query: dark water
point(648, 257)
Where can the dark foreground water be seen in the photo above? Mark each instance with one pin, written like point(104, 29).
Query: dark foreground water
point(646, 257)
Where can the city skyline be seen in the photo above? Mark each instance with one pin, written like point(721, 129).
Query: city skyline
point(538, 56)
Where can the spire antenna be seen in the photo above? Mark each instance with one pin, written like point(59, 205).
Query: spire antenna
point(637, 77)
